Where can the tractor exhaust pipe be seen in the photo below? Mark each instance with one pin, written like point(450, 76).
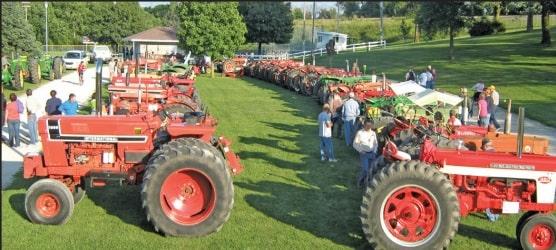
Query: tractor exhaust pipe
point(520, 130)
point(464, 107)
point(99, 86)
point(508, 121)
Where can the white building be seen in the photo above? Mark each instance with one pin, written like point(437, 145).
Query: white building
point(160, 40)
point(322, 38)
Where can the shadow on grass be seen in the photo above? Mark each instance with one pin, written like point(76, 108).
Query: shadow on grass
point(489, 237)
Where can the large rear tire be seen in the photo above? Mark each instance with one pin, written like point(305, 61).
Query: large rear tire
point(18, 79)
point(187, 189)
point(34, 71)
point(538, 232)
point(177, 109)
point(49, 202)
point(58, 67)
point(410, 204)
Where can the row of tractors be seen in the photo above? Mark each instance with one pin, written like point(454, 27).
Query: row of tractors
point(427, 176)
point(185, 170)
point(16, 71)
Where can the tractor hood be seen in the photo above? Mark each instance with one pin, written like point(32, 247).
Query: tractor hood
point(421, 96)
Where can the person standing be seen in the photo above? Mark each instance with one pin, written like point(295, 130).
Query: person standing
point(423, 78)
point(52, 104)
point(495, 102)
point(325, 134)
point(366, 144)
point(70, 106)
point(483, 111)
point(13, 110)
point(350, 112)
point(335, 102)
point(433, 77)
point(81, 71)
point(4, 102)
point(111, 66)
point(33, 109)
point(410, 75)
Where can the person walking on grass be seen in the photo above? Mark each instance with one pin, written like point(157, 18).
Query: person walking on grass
point(325, 134)
point(4, 103)
point(70, 106)
point(350, 112)
point(432, 80)
point(33, 109)
point(366, 144)
point(13, 111)
point(410, 75)
point(52, 104)
point(81, 71)
point(495, 101)
point(335, 102)
point(483, 111)
point(423, 78)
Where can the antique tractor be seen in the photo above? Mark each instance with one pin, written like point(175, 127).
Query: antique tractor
point(417, 202)
point(34, 69)
point(184, 169)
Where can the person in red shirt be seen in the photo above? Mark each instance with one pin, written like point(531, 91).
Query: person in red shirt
point(484, 116)
point(81, 71)
point(13, 109)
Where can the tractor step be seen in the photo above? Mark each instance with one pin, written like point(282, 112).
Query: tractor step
point(101, 179)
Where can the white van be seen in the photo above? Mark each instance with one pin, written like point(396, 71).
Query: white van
point(73, 58)
point(102, 52)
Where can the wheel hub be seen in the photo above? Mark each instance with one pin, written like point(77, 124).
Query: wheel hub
point(47, 205)
point(541, 237)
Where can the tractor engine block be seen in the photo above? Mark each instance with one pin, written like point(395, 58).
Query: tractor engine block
point(478, 193)
point(91, 154)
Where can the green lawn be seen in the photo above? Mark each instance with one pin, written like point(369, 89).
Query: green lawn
point(285, 199)
point(516, 63)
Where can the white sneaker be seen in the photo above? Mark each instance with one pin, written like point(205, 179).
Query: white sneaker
point(322, 158)
point(333, 160)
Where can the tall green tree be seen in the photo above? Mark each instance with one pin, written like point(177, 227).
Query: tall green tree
point(434, 17)
point(547, 7)
point(297, 13)
point(166, 13)
point(18, 36)
point(350, 8)
point(267, 22)
point(212, 28)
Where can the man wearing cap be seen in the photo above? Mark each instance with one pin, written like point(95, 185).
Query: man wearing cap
point(495, 101)
point(350, 111)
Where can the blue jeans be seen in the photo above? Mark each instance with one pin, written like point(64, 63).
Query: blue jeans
point(13, 132)
point(484, 121)
point(32, 126)
point(493, 120)
point(349, 124)
point(366, 160)
point(326, 148)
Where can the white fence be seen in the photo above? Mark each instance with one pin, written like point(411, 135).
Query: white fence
point(321, 51)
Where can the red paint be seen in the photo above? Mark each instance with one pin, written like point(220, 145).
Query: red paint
point(541, 237)
point(47, 205)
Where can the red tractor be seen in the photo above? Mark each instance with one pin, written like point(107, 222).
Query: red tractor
point(417, 203)
point(184, 169)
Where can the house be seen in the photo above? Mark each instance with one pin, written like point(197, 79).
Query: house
point(160, 40)
point(322, 38)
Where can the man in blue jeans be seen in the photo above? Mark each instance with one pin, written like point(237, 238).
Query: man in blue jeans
point(33, 108)
point(366, 144)
point(350, 112)
point(325, 134)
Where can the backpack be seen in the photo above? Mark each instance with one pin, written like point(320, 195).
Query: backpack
point(20, 107)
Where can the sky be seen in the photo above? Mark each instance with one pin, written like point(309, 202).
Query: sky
point(308, 5)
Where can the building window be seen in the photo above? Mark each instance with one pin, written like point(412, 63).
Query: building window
point(319, 39)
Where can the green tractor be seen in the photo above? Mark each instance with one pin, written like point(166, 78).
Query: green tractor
point(16, 71)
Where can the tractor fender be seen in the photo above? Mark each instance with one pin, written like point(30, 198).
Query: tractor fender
point(204, 133)
point(33, 165)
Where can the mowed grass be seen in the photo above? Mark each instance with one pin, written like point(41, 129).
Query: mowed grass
point(285, 199)
point(519, 67)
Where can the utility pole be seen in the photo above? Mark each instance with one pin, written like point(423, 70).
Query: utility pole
point(46, 26)
point(381, 21)
point(25, 5)
point(337, 16)
point(303, 34)
point(313, 33)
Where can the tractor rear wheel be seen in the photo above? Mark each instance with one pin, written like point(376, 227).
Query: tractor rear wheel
point(538, 232)
point(17, 81)
point(35, 71)
point(410, 204)
point(58, 67)
point(78, 194)
point(177, 109)
point(49, 202)
point(187, 189)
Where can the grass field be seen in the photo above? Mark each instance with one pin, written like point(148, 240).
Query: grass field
point(285, 199)
point(515, 63)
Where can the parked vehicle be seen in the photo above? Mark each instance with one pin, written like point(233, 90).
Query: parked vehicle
point(102, 52)
point(72, 58)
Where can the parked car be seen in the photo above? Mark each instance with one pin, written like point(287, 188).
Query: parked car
point(72, 58)
point(102, 52)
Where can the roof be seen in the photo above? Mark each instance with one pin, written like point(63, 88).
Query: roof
point(331, 33)
point(156, 34)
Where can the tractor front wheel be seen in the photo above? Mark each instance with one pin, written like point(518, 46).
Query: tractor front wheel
point(409, 204)
point(49, 202)
point(187, 189)
point(538, 232)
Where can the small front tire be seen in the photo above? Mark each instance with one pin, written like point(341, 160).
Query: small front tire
point(49, 202)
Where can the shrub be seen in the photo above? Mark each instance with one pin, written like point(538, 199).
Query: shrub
point(485, 27)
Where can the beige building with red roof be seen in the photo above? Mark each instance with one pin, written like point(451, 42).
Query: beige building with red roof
point(160, 40)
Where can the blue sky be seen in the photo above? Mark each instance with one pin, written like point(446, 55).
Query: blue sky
point(308, 5)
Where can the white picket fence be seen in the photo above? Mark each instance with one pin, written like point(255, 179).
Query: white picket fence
point(320, 51)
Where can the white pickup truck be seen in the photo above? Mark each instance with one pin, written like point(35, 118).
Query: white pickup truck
point(102, 52)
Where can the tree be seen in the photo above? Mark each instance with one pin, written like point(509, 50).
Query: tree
point(267, 22)
point(17, 34)
point(166, 13)
point(297, 13)
point(547, 7)
point(350, 8)
point(441, 17)
point(404, 29)
point(369, 9)
point(215, 29)
point(327, 13)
